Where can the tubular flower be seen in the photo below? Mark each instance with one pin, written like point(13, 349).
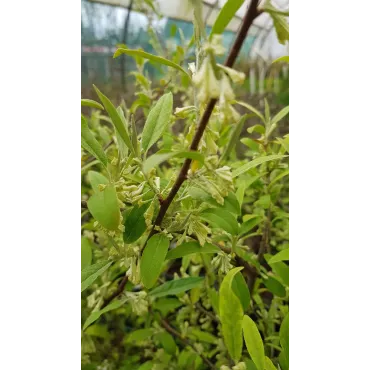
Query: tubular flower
point(206, 82)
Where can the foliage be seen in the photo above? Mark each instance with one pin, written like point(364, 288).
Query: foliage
point(202, 281)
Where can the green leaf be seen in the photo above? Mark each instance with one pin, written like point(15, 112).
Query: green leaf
point(176, 286)
point(284, 337)
point(158, 158)
point(252, 109)
point(231, 316)
point(278, 177)
point(248, 225)
point(257, 128)
point(116, 118)
point(268, 364)
point(105, 208)
point(191, 248)
point(96, 314)
point(157, 121)
point(225, 15)
point(240, 288)
point(231, 204)
point(140, 335)
point(89, 143)
point(203, 336)
point(150, 57)
point(99, 331)
point(234, 137)
point(91, 273)
point(153, 257)
point(86, 253)
point(122, 147)
point(254, 343)
point(283, 362)
point(250, 143)
point(279, 116)
point(166, 305)
point(282, 59)
point(250, 364)
point(135, 225)
point(282, 270)
point(284, 143)
point(167, 342)
point(96, 179)
point(256, 162)
point(91, 103)
point(275, 287)
point(281, 256)
point(281, 27)
point(223, 220)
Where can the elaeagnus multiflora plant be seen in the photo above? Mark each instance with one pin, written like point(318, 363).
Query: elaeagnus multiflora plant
point(184, 249)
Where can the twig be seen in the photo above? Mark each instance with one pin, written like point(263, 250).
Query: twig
point(116, 293)
point(208, 313)
point(251, 14)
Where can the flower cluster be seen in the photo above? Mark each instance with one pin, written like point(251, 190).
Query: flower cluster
point(214, 81)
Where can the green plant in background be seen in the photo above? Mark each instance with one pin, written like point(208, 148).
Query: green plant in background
point(184, 246)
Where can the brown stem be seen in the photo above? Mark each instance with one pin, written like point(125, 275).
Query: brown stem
point(251, 14)
point(117, 292)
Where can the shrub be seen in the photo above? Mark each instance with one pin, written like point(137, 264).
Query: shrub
point(184, 245)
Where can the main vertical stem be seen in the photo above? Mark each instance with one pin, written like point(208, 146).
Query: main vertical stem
point(251, 14)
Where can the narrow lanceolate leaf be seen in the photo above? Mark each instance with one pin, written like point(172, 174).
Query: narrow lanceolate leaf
point(150, 57)
point(89, 143)
point(256, 162)
point(225, 15)
point(278, 177)
point(249, 224)
point(281, 256)
point(153, 257)
point(158, 158)
point(91, 103)
point(231, 316)
point(96, 179)
point(140, 335)
point(176, 286)
point(252, 109)
point(279, 116)
point(86, 253)
point(91, 273)
point(268, 364)
point(275, 287)
point(240, 288)
point(157, 121)
point(284, 337)
point(202, 336)
point(234, 138)
point(190, 248)
point(221, 219)
point(254, 343)
point(135, 225)
point(166, 341)
point(281, 27)
point(116, 119)
point(96, 314)
point(122, 147)
point(282, 59)
point(104, 207)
